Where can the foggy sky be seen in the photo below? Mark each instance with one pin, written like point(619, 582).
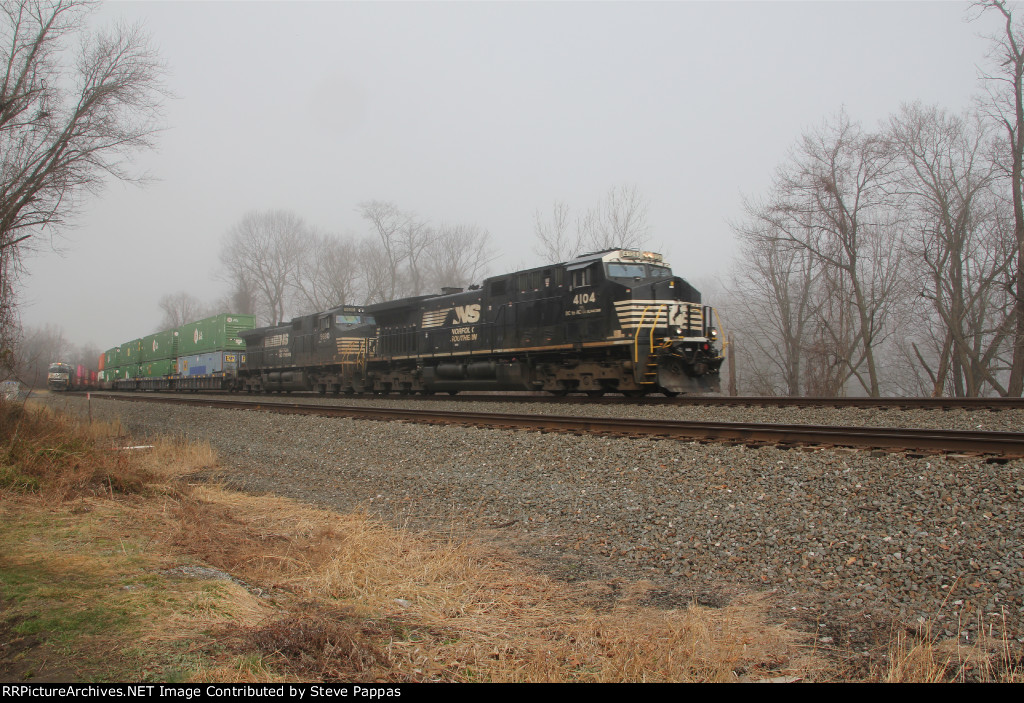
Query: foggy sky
point(480, 113)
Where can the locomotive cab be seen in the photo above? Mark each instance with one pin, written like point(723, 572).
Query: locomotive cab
point(660, 316)
point(58, 376)
point(322, 352)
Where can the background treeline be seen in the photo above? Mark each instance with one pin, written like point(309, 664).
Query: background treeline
point(276, 266)
point(891, 260)
point(882, 261)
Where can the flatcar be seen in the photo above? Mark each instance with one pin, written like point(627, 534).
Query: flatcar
point(612, 321)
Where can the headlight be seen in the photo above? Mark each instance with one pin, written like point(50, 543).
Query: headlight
point(713, 333)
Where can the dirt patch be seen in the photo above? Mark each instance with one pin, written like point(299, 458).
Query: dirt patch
point(25, 658)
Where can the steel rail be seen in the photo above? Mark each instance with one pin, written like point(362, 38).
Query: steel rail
point(908, 403)
point(1009, 444)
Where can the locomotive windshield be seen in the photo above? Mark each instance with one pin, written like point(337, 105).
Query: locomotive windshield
point(634, 271)
point(354, 320)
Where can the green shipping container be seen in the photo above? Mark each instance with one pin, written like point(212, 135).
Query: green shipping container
point(159, 346)
point(130, 352)
point(112, 358)
point(157, 369)
point(218, 333)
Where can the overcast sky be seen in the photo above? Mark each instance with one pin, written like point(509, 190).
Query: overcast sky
point(480, 113)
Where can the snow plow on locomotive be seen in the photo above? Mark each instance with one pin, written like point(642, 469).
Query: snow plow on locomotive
point(612, 321)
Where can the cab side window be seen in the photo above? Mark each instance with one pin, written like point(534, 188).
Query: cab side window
point(581, 277)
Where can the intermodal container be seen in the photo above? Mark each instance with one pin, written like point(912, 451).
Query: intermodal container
point(218, 333)
point(162, 345)
point(210, 362)
point(111, 358)
point(156, 369)
point(130, 353)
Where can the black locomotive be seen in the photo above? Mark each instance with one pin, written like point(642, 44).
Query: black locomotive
point(613, 321)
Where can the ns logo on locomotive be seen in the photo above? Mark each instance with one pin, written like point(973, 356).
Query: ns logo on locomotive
point(612, 321)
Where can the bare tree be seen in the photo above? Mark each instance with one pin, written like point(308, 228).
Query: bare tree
point(1005, 105)
point(263, 253)
point(837, 202)
point(39, 347)
point(554, 243)
point(65, 128)
point(329, 276)
point(961, 255)
point(417, 238)
point(9, 327)
point(388, 247)
point(458, 256)
point(618, 221)
point(401, 256)
point(179, 309)
point(376, 275)
point(774, 293)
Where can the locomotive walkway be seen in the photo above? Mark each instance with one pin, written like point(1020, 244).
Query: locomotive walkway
point(1001, 444)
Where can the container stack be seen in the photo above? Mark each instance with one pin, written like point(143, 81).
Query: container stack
point(205, 349)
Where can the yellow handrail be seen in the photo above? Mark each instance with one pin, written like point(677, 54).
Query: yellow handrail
point(636, 336)
point(654, 326)
point(721, 328)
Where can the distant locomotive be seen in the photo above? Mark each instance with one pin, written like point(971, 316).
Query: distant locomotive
point(64, 377)
point(58, 376)
point(612, 321)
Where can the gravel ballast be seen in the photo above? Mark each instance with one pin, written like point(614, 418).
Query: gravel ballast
point(847, 543)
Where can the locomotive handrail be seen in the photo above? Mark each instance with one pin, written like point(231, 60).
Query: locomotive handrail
point(654, 325)
point(721, 330)
point(636, 335)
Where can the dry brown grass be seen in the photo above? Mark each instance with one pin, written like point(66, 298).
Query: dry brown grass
point(60, 458)
point(455, 611)
point(923, 658)
point(322, 596)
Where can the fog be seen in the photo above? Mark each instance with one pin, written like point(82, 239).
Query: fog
point(479, 113)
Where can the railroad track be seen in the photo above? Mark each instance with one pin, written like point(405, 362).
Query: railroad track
point(1000, 444)
point(991, 404)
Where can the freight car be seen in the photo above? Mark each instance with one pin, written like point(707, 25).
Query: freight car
point(201, 355)
point(612, 321)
